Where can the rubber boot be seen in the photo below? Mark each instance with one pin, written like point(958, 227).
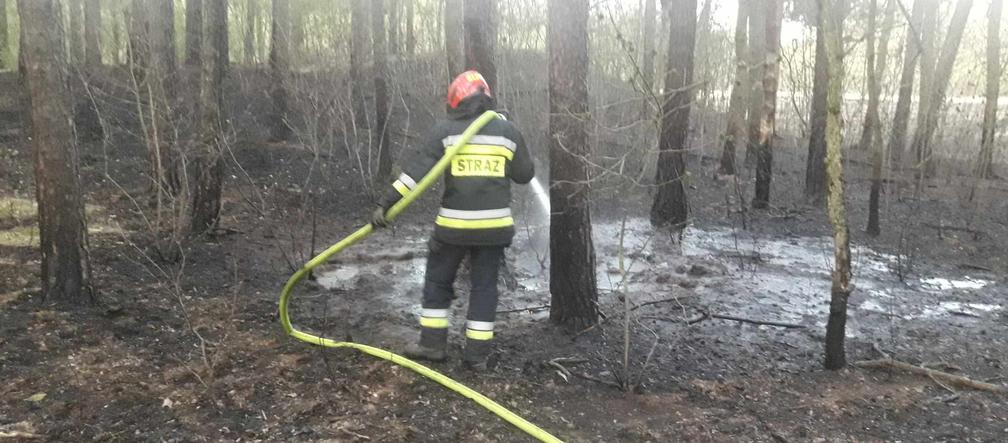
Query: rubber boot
point(476, 354)
point(432, 346)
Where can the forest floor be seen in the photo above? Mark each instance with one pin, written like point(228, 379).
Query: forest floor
point(196, 353)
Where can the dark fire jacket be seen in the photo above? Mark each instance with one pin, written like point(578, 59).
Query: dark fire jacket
point(476, 204)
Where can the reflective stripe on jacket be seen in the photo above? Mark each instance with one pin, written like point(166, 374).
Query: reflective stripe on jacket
point(476, 203)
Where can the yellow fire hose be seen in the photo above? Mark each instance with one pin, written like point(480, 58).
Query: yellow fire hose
point(358, 235)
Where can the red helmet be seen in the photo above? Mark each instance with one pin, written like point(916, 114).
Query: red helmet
point(466, 85)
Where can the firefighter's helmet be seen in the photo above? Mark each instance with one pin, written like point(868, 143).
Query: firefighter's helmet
point(466, 85)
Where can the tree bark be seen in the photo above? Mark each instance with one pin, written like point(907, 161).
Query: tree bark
point(280, 129)
point(208, 164)
point(986, 158)
point(735, 134)
point(647, 56)
point(251, 17)
point(194, 32)
point(832, 13)
point(573, 293)
point(757, 65)
point(481, 39)
point(410, 29)
point(92, 33)
point(871, 112)
point(117, 53)
point(381, 129)
point(815, 166)
point(670, 207)
point(62, 225)
point(392, 9)
point(4, 35)
point(75, 38)
point(454, 54)
point(139, 40)
point(167, 28)
point(928, 120)
point(929, 41)
point(768, 114)
point(359, 41)
point(297, 30)
point(158, 90)
point(901, 115)
point(874, 142)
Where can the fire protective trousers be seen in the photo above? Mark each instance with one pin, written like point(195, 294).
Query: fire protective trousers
point(443, 262)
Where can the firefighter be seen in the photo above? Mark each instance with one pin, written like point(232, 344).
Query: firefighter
point(475, 216)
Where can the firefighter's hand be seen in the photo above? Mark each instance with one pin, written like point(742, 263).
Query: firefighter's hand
point(378, 218)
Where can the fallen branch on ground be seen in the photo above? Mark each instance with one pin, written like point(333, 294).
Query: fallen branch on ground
point(955, 380)
point(974, 267)
point(562, 370)
point(664, 300)
point(588, 377)
point(353, 434)
point(688, 320)
point(529, 309)
point(20, 430)
point(18, 434)
point(942, 228)
point(757, 322)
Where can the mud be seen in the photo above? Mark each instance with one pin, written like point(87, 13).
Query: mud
point(730, 271)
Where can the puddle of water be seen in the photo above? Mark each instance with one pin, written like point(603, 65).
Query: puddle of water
point(944, 284)
point(947, 308)
point(782, 279)
point(341, 278)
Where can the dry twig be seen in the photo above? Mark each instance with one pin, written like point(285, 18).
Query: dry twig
point(955, 380)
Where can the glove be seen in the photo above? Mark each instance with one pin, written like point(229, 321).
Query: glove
point(378, 218)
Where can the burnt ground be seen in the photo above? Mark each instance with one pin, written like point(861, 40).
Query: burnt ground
point(194, 351)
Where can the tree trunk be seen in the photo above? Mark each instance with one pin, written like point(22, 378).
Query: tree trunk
point(833, 12)
point(381, 129)
point(929, 41)
point(117, 53)
point(874, 142)
point(280, 129)
point(297, 30)
point(454, 55)
point(92, 33)
point(815, 166)
point(167, 28)
point(359, 41)
point(901, 116)
point(986, 159)
point(735, 134)
point(62, 225)
point(208, 163)
point(251, 17)
point(139, 39)
point(4, 35)
point(393, 26)
point(661, 52)
point(771, 69)
point(75, 37)
point(871, 112)
point(647, 57)
point(481, 39)
point(573, 293)
point(158, 91)
point(670, 207)
point(410, 29)
point(194, 32)
point(928, 121)
point(757, 64)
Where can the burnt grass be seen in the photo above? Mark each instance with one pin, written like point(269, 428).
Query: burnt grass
point(198, 354)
